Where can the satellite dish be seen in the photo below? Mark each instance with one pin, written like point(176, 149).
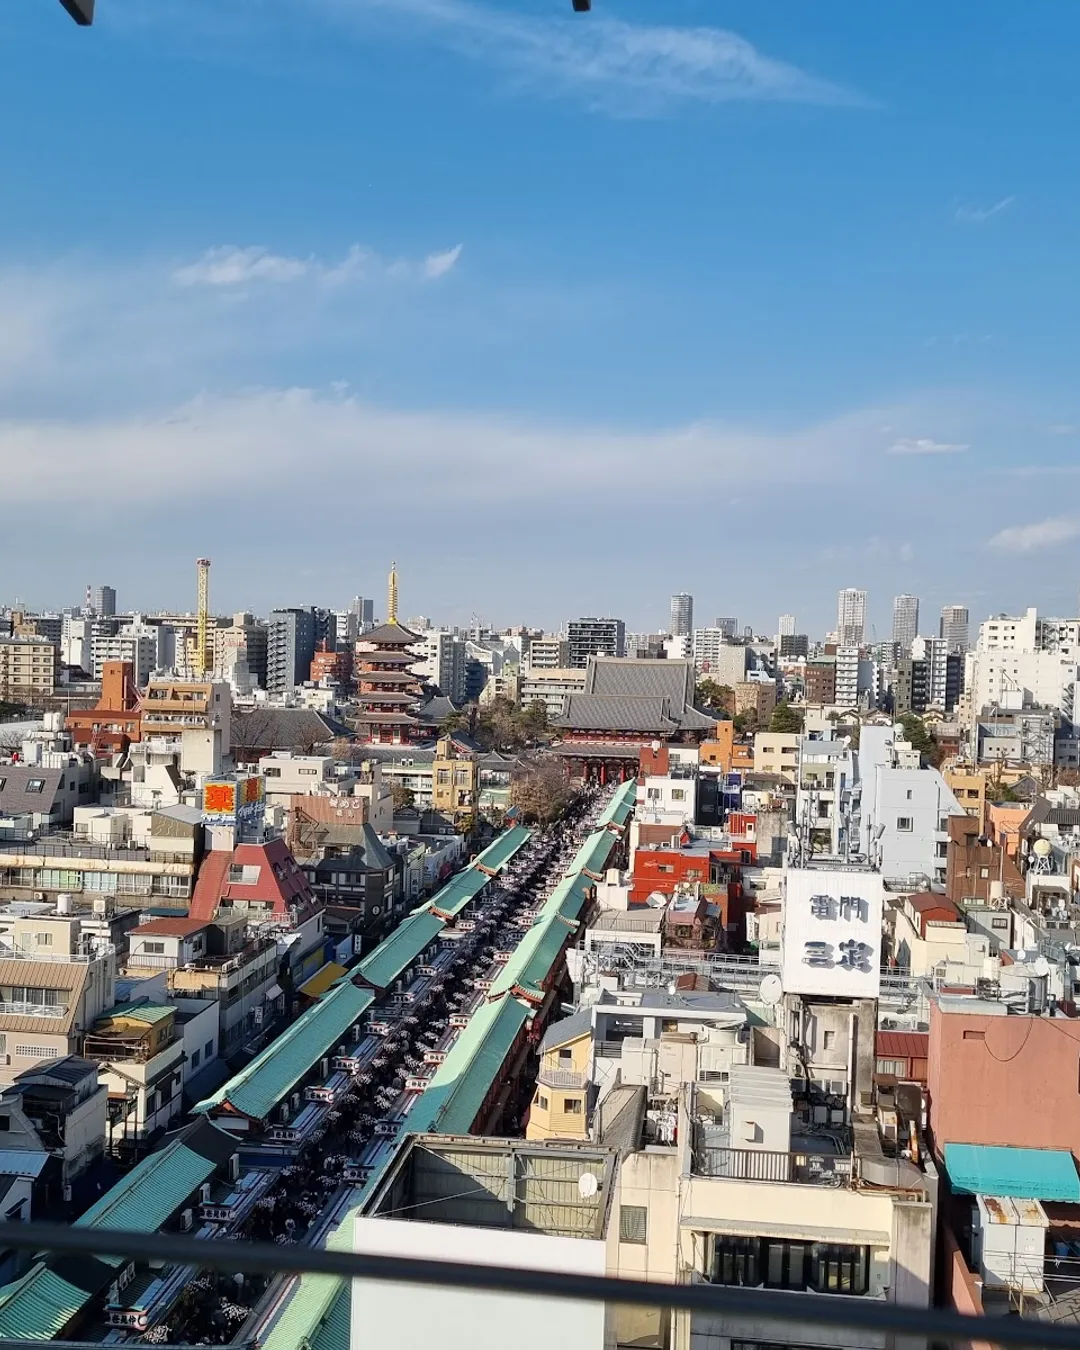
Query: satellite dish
point(587, 1185)
point(1042, 848)
point(771, 990)
point(1041, 966)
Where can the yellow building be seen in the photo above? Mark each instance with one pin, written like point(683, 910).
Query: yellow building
point(560, 1104)
point(777, 752)
point(969, 789)
point(454, 780)
point(28, 669)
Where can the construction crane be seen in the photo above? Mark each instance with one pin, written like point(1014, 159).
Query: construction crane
point(202, 631)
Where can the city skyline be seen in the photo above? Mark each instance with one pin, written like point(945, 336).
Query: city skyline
point(206, 335)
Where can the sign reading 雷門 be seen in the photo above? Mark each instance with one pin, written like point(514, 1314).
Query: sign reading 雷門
point(831, 941)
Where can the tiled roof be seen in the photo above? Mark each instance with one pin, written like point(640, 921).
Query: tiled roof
point(458, 892)
point(597, 712)
point(266, 728)
point(388, 635)
point(618, 677)
point(276, 1070)
point(383, 966)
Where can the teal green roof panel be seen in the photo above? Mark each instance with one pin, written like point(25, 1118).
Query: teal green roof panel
point(456, 1093)
point(150, 1193)
point(618, 810)
point(275, 1071)
point(39, 1306)
point(383, 966)
point(498, 854)
point(458, 892)
point(140, 1011)
point(1020, 1173)
point(568, 898)
point(594, 853)
point(532, 960)
point(334, 1330)
point(315, 1301)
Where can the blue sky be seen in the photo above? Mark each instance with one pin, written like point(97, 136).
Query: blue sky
point(562, 312)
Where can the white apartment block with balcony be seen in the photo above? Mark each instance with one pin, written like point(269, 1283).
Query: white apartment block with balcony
point(777, 752)
point(824, 795)
point(544, 653)
point(551, 687)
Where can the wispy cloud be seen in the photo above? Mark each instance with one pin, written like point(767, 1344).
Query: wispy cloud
point(1062, 429)
point(1039, 535)
point(620, 67)
point(970, 214)
point(230, 265)
point(924, 446)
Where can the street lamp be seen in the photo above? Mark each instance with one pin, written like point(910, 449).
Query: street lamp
point(82, 11)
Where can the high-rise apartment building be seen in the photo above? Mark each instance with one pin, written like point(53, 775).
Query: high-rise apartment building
point(290, 646)
point(102, 601)
point(851, 617)
point(786, 625)
point(954, 628)
point(682, 615)
point(364, 609)
point(28, 669)
point(905, 621)
point(544, 652)
point(594, 637)
point(728, 626)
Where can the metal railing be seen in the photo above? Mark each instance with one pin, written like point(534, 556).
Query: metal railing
point(17, 1007)
point(561, 1078)
point(97, 953)
point(752, 1164)
point(798, 1313)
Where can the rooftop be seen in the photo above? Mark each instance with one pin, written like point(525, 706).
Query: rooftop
point(1019, 1173)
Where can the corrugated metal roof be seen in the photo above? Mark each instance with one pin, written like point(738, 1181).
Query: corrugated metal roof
point(620, 806)
point(22, 1162)
point(66, 975)
point(39, 1306)
point(321, 981)
point(534, 956)
point(335, 1329)
point(1024, 1173)
point(498, 854)
point(903, 1044)
point(140, 1010)
point(275, 1071)
point(401, 948)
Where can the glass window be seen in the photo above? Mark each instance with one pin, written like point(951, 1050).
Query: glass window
point(904, 823)
point(35, 785)
point(785, 1264)
point(736, 1261)
point(839, 1269)
point(154, 948)
point(633, 1224)
point(572, 1106)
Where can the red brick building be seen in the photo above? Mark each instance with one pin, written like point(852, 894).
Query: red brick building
point(328, 664)
point(116, 720)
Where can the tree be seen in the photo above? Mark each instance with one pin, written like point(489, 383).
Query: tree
point(717, 697)
point(786, 719)
point(540, 788)
point(403, 797)
point(915, 731)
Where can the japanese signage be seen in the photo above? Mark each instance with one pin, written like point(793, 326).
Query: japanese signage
point(225, 800)
point(831, 940)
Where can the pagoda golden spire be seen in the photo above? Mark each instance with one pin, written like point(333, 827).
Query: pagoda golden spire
point(391, 595)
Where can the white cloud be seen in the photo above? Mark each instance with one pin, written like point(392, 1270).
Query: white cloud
point(1039, 535)
point(924, 446)
point(631, 69)
point(966, 214)
point(458, 455)
point(230, 265)
point(1062, 429)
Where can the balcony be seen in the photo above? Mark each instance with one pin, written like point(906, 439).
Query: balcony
point(752, 1164)
point(562, 1078)
point(123, 1049)
point(30, 1008)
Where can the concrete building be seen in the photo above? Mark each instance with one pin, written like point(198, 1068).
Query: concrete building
point(54, 982)
point(682, 615)
point(56, 1110)
point(139, 1049)
point(542, 652)
point(240, 650)
point(594, 637)
point(240, 974)
point(441, 661)
point(785, 626)
point(953, 628)
point(102, 600)
point(728, 625)
point(192, 718)
point(137, 649)
point(851, 617)
point(905, 621)
point(820, 681)
point(905, 810)
point(777, 752)
point(755, 698)
point(290, 645)
point(552, 688)
point(29, 668)
point(854, 678)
